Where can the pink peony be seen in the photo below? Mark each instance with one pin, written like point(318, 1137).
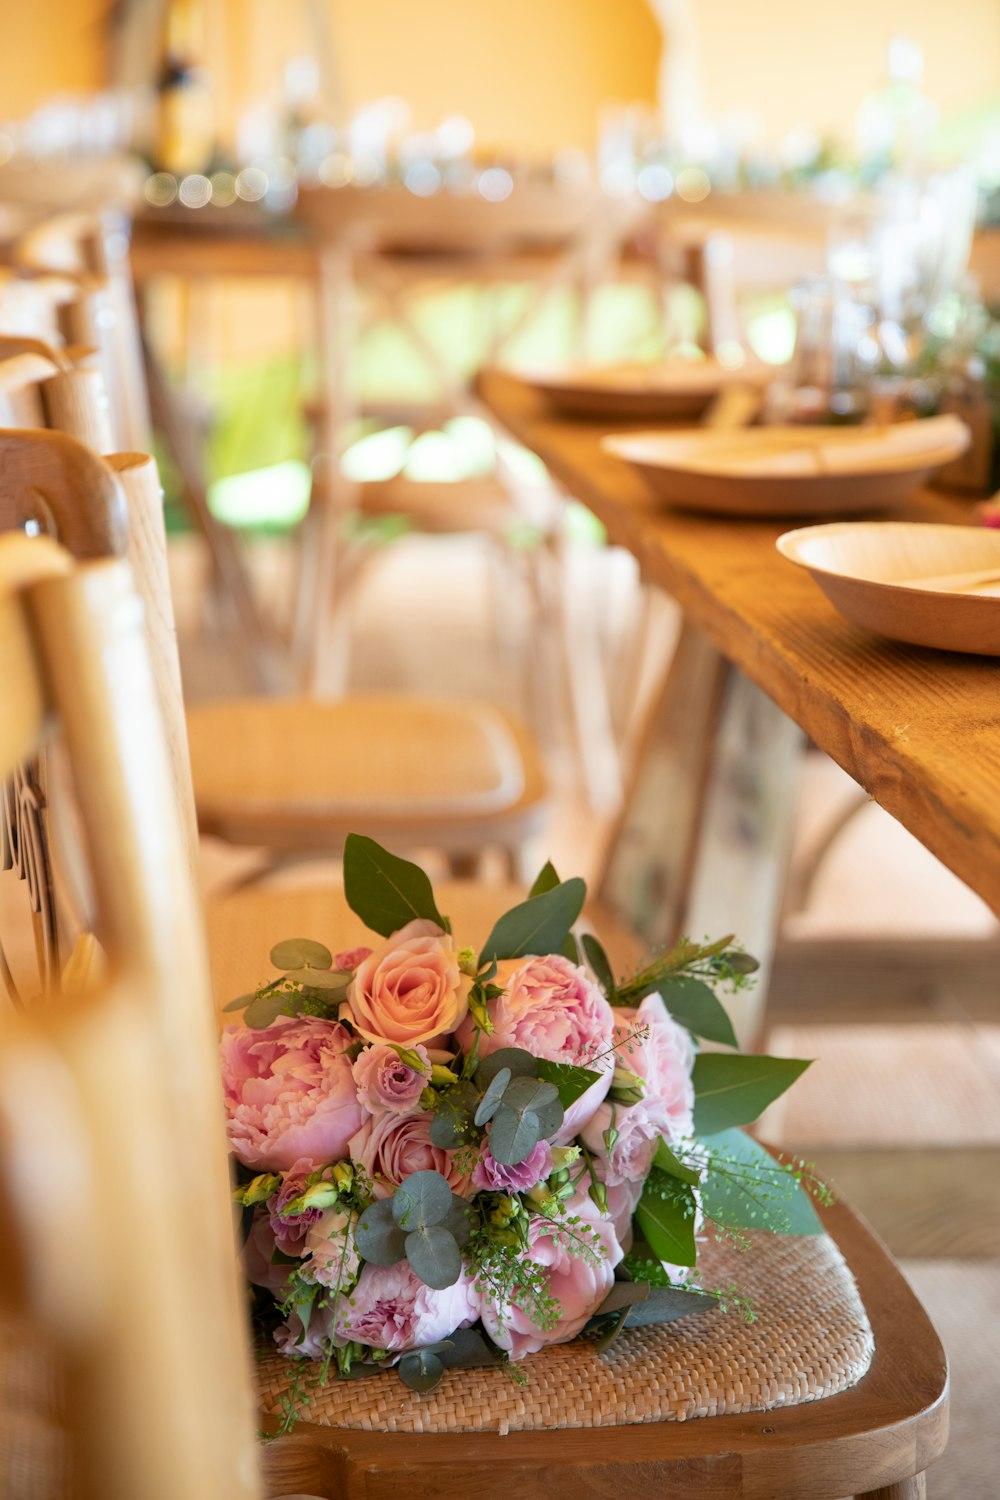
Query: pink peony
point(622, 1200)
point(391, 1147)
point(386, 1084)
point(493, 1176)
point(410, 990)
point(289, 1093)
point(390, 1308)
point(663, 1056)
point(552, 1009)
point(631, 1156)
point(579, 1283)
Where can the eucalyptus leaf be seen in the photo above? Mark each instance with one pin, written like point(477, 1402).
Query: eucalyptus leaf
point(423, 1199)
point(520, 1063)
point(319, 979)
point(513, 1135)
point(490, 1102)
point(539, 925)
point(571, 1081)
point(448, 1130)
point(458, 1221)
point(263, 1009)
point(609, 1335)
point(541, 1098)
point(296, 953)
point(623, 1294)
point(385, 891)
point(745, 1188)
point(668, 1162)
point(665, 1214)
point(240, 1003)
point(434, 1256)
point(468, 1349)
point(665, 1304)
point(733, 1089)
point(545, 880)
point(695, 1006)
point(599, 963)
point(378, 1236)
point(420, 1371)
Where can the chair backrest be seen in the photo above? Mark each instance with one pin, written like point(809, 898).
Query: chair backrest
point(117, 1245)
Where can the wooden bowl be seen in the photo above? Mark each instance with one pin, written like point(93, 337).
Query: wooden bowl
point(674, 388)
point(792, 471)
point(902, 579)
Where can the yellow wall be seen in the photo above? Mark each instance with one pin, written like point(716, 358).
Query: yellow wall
point(48, 47)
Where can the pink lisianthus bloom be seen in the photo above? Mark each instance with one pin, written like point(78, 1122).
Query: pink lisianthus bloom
point(490, 1175)
point(391, 1147)
point(331, 1256)
point(662, 1054)
point(386, 1084)
point(289, 1093)
point(579, 1283)
point(410, 990)
point(391, 1308)
point(290, 1229)
point(552, 1009)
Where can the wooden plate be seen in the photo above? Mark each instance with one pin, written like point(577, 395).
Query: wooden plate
point(792, 471)
point(675, 388)
point(911, 581)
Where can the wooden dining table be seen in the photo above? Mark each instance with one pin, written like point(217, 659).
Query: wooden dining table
point(918, 729)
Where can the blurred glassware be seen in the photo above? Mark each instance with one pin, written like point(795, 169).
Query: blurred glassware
point(829, 377)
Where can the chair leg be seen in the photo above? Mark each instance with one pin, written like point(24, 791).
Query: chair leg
point(906, 1489)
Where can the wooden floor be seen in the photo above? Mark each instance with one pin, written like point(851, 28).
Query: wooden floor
point(902, 1109)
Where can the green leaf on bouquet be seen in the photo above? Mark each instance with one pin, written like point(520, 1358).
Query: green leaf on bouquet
point(733, 1088)
point(667, 1303)
point(385, 891)
point(545, 880)
point(599, 962)
point(423, 1199)
point(434, 1256)
point(377, 1235)
point(665, 1214)
point(263, 1009)
point(298, 953)
point(539, 925)
point(490, 1102)
point(517, 1060)
point(695, 1006)
point(528, 1111)
point(421, 1370)
point(570, 1081)
point(673, 1166)
point(745, 1188)
point(241, 1002)
point(320, 979)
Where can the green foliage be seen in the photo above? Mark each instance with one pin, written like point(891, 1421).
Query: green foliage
point(385, 891)
point(733, 1089)
point(423, 1222)
point(545, 880)
point(667, 1161)
point(539, 925)
point(746, 1188)
point(298, 953)
point(599, 962)
point(665, 1214)
point(696, 1007)
point(528, 1111)
point(571, 1081)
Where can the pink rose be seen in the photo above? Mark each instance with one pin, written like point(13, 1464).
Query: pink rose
point(289, 1093)
point(331, 1255)
point(410, 990)
point(390, 1308)
point(347, 960)
point(493, 1176)
point(552, 1009)
point(662, 1055)
point(579, 1283)
point(391, 1147)
point(386, 1084)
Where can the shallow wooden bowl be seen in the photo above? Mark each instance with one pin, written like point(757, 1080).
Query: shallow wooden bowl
point(790, 471)
point(901, 579)
point(676, 388)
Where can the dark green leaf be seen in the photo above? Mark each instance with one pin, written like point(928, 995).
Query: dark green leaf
point(458, 1220)
point(520, 1063)
point(513, 1135)
point(385, 891)
point(745, 1188)
point(295, 953)
point(665, 1303)
point(623, 1294)
point(665, 1213)
point(733, 1089)
point(539, 925)
point(469, 1349)
point(695, 1006)
point(420, 1371)
point(668, 1162)
point(571, 1081)
point(598, 961)
point(542, 1099)
point(434, 1256)
point(571, 949)
point(490, 1102)
point(378, 1236)
point(609, 1335)
point(422, 1200)
point(545, 880)
point(263, 1009)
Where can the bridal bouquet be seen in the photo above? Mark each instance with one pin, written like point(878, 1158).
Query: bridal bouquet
point(449, 1157)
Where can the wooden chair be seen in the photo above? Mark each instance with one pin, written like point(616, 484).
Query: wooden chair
point(119, 1270)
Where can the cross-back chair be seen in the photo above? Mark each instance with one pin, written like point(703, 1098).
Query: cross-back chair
point(116, 1271)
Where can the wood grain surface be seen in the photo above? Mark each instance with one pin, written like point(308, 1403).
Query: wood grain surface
point(917, 728)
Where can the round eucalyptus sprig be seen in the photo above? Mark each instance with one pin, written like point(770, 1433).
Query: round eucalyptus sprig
point(520, 1108)
point(424, 1223)
point(306, 985)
